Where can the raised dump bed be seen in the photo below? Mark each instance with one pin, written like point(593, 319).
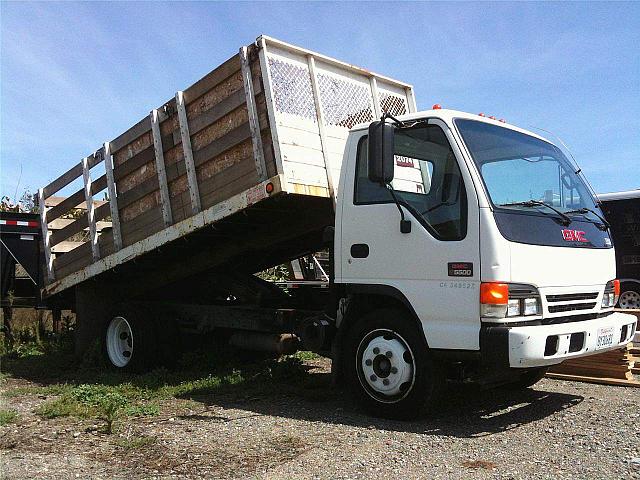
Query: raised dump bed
point(254, 147)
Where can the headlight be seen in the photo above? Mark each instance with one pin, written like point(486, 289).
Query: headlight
point(513, 309)
point(611, 293)
point(500, 300)
point(531, 306)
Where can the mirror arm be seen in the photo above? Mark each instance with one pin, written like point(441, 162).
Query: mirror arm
point(386, 115)
point(405, 225)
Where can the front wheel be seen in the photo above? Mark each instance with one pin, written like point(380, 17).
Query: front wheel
point(388, 366)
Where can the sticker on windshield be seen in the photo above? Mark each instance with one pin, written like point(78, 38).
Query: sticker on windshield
point(460, 269)
point(573, 235)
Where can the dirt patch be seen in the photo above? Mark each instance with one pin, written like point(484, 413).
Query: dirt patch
point(298, 425)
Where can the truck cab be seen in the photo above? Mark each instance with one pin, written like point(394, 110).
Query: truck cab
point(499, 253)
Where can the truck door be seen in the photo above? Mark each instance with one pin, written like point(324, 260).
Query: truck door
point(436, 266)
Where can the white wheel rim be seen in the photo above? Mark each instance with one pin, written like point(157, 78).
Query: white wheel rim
point(119, 342)
point(385, 366)
point(629, 299)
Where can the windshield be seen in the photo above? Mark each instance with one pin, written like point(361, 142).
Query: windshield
point(520, 170)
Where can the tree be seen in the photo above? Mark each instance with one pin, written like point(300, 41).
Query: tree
point(28, 203)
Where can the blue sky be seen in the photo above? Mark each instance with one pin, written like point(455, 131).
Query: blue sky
point(76, 74)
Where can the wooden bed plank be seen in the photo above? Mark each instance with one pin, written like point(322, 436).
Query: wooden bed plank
point(60, 223)
point(62, 181)
point(64, 247)
point(136, 193)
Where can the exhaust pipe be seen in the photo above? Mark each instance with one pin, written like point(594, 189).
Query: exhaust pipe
point(280, 343)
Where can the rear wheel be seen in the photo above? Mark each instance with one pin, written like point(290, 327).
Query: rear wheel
point(129, 340)
point(388, 366)
point(629, 296)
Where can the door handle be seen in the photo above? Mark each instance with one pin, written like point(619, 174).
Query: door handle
point(359, 250)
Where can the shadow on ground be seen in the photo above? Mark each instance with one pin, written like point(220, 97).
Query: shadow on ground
point(468, 411)
point(304, 391)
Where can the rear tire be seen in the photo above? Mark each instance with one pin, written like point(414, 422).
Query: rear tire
point(388, 367)
point(129, 341)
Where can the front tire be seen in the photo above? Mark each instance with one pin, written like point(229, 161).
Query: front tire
point(388, 367)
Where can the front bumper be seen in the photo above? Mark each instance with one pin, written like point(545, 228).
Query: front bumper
point(544, 345)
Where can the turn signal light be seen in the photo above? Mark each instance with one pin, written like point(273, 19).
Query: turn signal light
point(494, 293)
point(494, 299)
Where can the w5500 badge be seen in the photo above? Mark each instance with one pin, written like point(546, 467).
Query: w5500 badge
point(460, 269)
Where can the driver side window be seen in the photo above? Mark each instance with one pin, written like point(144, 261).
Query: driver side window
point(427, 181)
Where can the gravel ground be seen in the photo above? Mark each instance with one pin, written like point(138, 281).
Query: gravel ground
point(555, 430)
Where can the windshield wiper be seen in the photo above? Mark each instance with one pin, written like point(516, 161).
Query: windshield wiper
point(566, 220)
point(602, 226)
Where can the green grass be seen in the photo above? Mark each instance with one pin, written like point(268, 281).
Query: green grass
point(112, 397)
point(135, 442)
point(306, 355)
point(89, 390)
point(7, 417)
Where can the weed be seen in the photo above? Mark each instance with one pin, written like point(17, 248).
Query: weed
point(7, 417)
point(110, 407)
point(144, 410)
point(135, 442)
point(65, 406)
point(85, 401)
point(29, 349)
point(306, 355)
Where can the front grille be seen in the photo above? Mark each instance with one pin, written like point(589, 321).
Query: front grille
point(571, 307)
point(569, 297)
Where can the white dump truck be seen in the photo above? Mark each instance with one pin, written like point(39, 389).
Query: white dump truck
point(461, 247)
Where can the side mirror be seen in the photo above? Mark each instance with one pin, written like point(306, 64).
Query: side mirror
point(381, 147)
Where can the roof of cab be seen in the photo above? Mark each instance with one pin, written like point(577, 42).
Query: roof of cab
point(449, 115)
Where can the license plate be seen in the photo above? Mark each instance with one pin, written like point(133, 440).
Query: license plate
point(605, 337)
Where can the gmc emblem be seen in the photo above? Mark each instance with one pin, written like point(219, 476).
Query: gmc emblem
point(573, 235)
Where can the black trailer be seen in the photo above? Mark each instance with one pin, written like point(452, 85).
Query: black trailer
point(21, 266)
point(20, 246)
point(622, 210)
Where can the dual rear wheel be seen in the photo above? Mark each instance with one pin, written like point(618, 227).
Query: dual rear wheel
point(137, 339)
